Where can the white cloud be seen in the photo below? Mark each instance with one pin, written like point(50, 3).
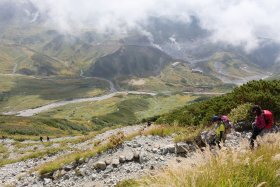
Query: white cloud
point(238, 22)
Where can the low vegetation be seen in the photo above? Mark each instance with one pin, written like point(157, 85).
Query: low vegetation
point(37, 154)
point(24, 92)
point(263, 93)
point(241, 113)
point(176, 78)
point(21, 128)
point(119, 110)
point(179, 133)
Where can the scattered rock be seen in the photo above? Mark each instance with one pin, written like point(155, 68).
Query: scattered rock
point(136, 155)
point(100, 165)
point(164, 150)
point(155, 150)
point(171, 148)
point(56, 175)
point(181, 148)
point(128, 144)
point(68, 167)
point(84, 172)
point(63, 172)
point(93, 176)
point(135, 145)
point(105, 175)
point(47, 180)
point(129, 156)
point(81, 161)
point(143, 157)
point(66, 177)
point(108, 161)
point(115, 162)
point(122, 158)
point(109, 169)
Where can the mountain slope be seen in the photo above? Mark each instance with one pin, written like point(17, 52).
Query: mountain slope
point(130, 61)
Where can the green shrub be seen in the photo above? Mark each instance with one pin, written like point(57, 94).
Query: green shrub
point(241, 113)
point(264, 93)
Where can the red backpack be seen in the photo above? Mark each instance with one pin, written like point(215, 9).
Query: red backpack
point(268, 118)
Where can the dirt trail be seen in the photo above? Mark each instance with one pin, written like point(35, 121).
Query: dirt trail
point(9, 173)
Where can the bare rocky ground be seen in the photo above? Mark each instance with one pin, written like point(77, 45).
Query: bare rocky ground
point(133, 159)
point(9, 174)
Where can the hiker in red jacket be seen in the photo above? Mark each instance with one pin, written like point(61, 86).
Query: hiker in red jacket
point(263, 121)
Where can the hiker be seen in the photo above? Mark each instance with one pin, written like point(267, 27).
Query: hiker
point(48, 138)
point(263, 123)
point(220, 130)
point(41, 138)
point(227, 123)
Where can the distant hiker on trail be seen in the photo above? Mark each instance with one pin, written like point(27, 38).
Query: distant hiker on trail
point(263, 123)
point(41, 139)
point(48, 138)
point(220, 130)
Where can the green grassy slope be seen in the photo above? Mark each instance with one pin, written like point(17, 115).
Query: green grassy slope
point(128, 61)
point(119, 110)
point(175, 78)
point(230, 66)
point(23, 92)
point(263, 93)
point(14, 126)
point(74, 119)
point(39, 51)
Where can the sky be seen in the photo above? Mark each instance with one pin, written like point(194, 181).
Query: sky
point(238, 22)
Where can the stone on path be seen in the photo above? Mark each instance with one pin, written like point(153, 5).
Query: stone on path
point(100, 165)
point(115, 162)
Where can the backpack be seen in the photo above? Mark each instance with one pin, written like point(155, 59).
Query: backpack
point(268, 118)
point(226, 122)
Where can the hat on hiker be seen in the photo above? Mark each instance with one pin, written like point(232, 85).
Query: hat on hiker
point(256, 108)
point(215, 118)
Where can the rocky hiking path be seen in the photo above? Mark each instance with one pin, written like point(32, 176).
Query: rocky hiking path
point(132, 159)
point(10, 173)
